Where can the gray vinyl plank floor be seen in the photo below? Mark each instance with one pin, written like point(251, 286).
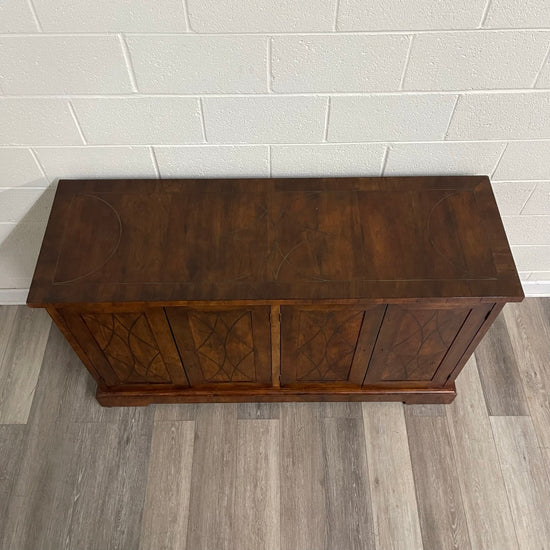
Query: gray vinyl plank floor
point(474, 475)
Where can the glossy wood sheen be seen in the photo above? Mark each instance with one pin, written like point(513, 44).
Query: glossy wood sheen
point(291, 289)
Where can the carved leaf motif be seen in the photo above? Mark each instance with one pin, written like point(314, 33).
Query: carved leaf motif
point(327, 344)
point(128, 344)
point(223, 342)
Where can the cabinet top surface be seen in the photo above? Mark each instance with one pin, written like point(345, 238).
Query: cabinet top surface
point(110, 241)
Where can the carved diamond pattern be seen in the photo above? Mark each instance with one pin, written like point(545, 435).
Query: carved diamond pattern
point(422, 339)
point(327, 344)
point(128, 344)
point(224, 344)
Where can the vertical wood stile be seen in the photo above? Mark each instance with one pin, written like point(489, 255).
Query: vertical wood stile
point(276, 344)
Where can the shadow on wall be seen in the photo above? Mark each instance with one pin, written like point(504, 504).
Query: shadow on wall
point(20, 239)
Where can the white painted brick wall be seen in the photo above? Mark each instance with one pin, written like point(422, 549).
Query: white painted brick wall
point(199, 64)
point(332, 63)
point(501, 116)
point(96, 162)
point(80, 16)
point(464, 159)
point(357, 15)
point(327, 160)
point(475, 61)
point(517, 14)
point(139, 120)
point(206, 161)
point(226, 88)
point(525, 159)
point(390, 117)
point(63, 65)
point(264, 119)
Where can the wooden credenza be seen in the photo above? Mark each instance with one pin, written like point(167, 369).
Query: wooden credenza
point(275, 289)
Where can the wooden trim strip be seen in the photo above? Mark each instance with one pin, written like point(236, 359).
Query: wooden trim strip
point(127, 396)
point(275, 321)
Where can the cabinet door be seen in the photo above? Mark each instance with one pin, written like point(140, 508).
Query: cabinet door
point(422, 344)
point(221, 347)
point(327, 344)
point(127, 347)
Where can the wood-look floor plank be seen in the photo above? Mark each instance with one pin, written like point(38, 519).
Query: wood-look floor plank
point(349, 510)
point(7, 320)
point(20, 365)
point(526, 479)
point(482, 486)
point(211, 503)
point(175, 412)
point(340, 409)
point(11, 451)
point(424, 410)
point(499, 373)
point(83, 486)
point(304, 518)
point(166, 511)
point(529, 329)
point(396, 520)
point(442, 518)
point(77, 480)
point(265, 411)
point(257, 501)
point(66, 391)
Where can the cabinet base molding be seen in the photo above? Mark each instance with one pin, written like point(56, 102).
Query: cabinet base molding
point(124, 397)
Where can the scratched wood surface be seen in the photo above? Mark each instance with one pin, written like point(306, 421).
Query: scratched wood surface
point(470, 475)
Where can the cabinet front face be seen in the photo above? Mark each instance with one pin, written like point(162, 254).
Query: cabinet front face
point(221, 347)
point(127, 347)
point(327, 344)
point(422, 344)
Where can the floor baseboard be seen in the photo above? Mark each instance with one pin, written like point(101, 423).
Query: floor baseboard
point(13, 296)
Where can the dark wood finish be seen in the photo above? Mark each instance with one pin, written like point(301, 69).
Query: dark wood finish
point(121, 347)
point(268, 289)
point(118, 396)
point(420, 343)
point(327, 344)
point(177, 241)
point(218, 347)
point(275, 320)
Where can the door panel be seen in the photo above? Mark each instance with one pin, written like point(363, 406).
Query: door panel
point(125, 348)
point(322, 344)
point(413, 342)
point(219, 347)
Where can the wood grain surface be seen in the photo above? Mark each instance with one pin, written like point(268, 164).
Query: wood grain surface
point(264, 289)
point(273, 239)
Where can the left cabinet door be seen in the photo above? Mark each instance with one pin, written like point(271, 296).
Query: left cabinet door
point(127, 347)
point(223, 347)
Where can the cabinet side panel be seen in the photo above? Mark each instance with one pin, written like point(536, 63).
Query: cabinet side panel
point(95, 360)
point(478, 323)
point(61, 323)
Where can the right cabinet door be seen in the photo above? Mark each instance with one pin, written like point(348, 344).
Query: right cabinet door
point(422, 345)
